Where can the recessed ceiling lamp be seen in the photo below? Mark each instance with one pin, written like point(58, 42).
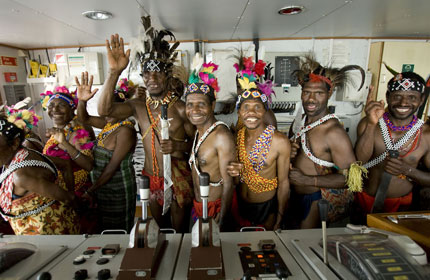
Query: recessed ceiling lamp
point(291, 10)
point(97, 15)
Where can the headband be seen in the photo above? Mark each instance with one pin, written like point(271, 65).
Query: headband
point(69, 100)
point(405, 84)
point(154, 65)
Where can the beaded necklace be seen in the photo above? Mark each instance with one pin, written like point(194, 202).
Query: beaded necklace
point(166, 100)
point(254, 181)
point(196, 147)
point(261, 148)
point(302, 134)
point(108, 129)
point(389, 145)
point(392, 127)
point(169, 99)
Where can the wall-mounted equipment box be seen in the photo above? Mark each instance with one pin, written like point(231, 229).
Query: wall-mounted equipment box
point(70, 65)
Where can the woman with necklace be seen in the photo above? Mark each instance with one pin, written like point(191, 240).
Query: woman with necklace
point(113, 176)
point(30, 198)
point(70, 145)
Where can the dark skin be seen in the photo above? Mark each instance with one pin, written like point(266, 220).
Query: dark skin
point(269, 116)
point(31, 144)
point(122, 141)
point(328, 142)
point(30, 180)
point(61, 114)
point(180, 128)
point(214, 155)
point(276, 164)
point(401, 107)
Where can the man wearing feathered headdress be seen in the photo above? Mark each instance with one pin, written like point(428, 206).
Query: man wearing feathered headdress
point(261, 75)
point(155, 57)
point(264, 157)
point(30, 197)
point(213, 147)
point(394, 142)
point(323, 159)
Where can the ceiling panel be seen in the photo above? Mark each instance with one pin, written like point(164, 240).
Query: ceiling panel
point(47, 23)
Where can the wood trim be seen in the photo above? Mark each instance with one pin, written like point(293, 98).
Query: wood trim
point(12, 47)
point(242, 40)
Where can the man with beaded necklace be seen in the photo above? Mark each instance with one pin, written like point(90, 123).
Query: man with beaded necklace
point(322, 154)
point(113, 177)
point(395, 129)
point(213, 147)
point(264, 159)
point(156, 63)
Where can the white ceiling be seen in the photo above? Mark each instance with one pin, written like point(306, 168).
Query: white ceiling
point(31, 24)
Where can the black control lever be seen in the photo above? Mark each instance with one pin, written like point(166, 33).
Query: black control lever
point(247, 275)
point(44, 276)
point(280, 273)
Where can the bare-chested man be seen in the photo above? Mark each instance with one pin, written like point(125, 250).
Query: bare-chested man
point(156, 68)
point(213, 148)
point(397, 129)
point(321, 148)
point(264, 159)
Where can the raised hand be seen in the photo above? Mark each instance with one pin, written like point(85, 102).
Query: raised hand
point(374, 109)
point(117, 58)
point(84, 88)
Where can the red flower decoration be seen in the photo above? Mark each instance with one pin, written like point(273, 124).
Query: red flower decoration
point(214, 85)
point(259, 67)
point(247, 62)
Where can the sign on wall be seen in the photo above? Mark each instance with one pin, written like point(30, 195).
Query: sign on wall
point(10, 77)
point(408, 68)
point(8, 61)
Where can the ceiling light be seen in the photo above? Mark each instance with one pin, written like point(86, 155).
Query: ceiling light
point(97, 15)
point(291, 10)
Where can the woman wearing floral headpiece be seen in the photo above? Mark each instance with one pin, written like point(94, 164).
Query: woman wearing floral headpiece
point(113, 176)
point(70, 142)
point(30, 198)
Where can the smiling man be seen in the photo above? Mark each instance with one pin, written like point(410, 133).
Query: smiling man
point(213, 147)
point(400, 130)
point(156, 63)
point(322, 153)
point(264, 159)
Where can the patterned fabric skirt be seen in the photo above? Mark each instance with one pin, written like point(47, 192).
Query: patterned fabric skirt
point(57, 218)
point(116, 199)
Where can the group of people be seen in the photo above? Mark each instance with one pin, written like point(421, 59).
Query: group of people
point(258, 175)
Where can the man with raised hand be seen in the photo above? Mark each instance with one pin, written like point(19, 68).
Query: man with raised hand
point(394, 142)
point(156, 62)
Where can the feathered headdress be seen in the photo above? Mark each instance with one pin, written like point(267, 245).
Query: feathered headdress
point(61, 93)
point(13, 122)
point(406, 81)
point(22, 118)
point(202, 79)
point(152, 52)
point(251, 81)
point(124, 90)
point(311, 71)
